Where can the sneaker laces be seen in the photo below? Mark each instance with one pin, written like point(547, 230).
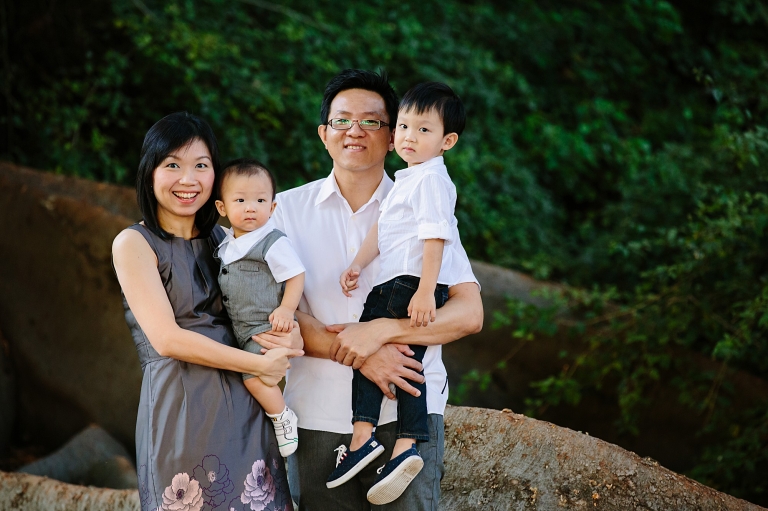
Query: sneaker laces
point(378, 470)
point(284, 426)
point(342, 453)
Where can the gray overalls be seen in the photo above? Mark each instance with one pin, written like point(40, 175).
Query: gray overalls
point(250, 293)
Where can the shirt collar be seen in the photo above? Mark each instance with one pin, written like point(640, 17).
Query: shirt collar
point(248, 239)
point(436, 164)
point(330, 187)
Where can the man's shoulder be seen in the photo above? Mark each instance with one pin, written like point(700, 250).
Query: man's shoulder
point(301, 193)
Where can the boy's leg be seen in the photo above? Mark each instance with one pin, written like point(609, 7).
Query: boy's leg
point(307, 475)
point(366, 407)
point(423, 494)
point(412, 424)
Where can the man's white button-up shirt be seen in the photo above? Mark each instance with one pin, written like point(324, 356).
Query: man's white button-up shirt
point(326, 234)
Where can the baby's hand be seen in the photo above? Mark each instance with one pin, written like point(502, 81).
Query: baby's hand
point(348, 279)
point(281, 319)
point(422, 308)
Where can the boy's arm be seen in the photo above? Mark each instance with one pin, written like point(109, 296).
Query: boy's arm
point(367, 253)
point(282, 317)
point(422, 308)
point(461, 315)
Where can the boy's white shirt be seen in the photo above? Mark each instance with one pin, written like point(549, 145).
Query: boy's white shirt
point(420, 207)
point(326, 234)
point(281, 258)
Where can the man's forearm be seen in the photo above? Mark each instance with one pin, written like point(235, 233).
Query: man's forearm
point(317, 340)
point(461, 315)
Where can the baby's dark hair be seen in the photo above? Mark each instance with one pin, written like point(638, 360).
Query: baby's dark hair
point(245, 167)
point(438, 96)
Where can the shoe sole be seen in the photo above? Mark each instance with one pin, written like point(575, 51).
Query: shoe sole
point(357, 468)
point(391, 487)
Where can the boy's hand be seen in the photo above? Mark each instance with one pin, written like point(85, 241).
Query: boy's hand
point(281, 319)
point(422, 308)
point(348, 279)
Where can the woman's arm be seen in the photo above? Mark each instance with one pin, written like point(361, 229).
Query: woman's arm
point(136, 268)
point(461, 315)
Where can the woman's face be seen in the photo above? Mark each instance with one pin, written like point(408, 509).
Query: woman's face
point(183, 182)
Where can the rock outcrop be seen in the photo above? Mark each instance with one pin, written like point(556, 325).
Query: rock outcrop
point(494, 461)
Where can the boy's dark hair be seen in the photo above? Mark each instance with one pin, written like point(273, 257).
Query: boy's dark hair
point(245, 167)
point(360, 79)
point(170, 133)
point(438, 96)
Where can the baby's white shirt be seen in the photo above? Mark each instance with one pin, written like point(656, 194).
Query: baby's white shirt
point(281, 258)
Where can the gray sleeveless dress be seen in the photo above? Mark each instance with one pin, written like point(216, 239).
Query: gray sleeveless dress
point(202, 441)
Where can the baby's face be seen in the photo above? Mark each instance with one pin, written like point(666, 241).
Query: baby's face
point(246, 201)
point(419, 137)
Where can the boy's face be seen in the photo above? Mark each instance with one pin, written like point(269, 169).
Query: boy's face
point(419, 137)
point(246, 201)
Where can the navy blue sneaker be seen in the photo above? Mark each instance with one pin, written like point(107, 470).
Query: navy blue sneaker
point(349, 463)
point(395, 476)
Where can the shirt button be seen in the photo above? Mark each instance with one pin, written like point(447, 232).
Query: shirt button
point(224, 271)
point(352, 250)
point(224, 298)
point(354, 316)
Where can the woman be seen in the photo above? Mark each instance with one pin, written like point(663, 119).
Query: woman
point(202, 442)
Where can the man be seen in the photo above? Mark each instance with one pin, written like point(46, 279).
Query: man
point(327, 221)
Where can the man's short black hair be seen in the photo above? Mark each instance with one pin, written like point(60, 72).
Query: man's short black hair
point(170, 133)
point(360, 79)
point(246, 167)
point(438, 96)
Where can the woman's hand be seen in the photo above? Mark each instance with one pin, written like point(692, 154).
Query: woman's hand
point(270, 340)
point(274, 364)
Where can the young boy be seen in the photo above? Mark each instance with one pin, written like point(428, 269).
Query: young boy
point(414, 237)
point(256, 259)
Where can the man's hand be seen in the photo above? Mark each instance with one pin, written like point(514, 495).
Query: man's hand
point(422, 308)
point(348, 279)
point(392, 364)
point(270, 340)
point(355, 342)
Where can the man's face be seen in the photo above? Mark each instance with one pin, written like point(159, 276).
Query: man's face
point(355, 149)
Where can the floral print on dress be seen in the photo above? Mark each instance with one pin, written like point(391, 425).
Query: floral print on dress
point(144, 495)
point(184, 494)
point(259, 489)
point(214, 480)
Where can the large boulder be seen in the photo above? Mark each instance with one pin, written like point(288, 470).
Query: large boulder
point(60, 305)
point(7, 396)
point(60, 310)
point(494, 461)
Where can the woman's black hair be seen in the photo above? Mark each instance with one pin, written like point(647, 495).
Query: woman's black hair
point(360, 79)
point(438, 96)
point(170, 133)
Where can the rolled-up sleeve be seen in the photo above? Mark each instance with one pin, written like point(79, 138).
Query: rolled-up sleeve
point(433, 201)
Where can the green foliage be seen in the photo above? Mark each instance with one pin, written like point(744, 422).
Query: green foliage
point(618, 147)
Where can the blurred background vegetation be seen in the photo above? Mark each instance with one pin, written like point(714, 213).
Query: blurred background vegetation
point(618, 147)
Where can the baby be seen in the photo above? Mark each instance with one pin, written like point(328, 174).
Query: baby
point(256, 259)
point(414, 238)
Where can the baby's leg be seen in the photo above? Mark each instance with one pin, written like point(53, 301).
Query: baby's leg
point(270, 398)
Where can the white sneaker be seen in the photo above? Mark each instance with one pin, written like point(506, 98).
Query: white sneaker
point(286, 430)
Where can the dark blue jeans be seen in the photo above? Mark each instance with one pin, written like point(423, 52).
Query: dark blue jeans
point(390, 300)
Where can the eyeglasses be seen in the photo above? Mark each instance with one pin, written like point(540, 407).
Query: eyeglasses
point(365, 124)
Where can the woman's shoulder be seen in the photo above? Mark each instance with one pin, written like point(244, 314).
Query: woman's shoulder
point(132, 239)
